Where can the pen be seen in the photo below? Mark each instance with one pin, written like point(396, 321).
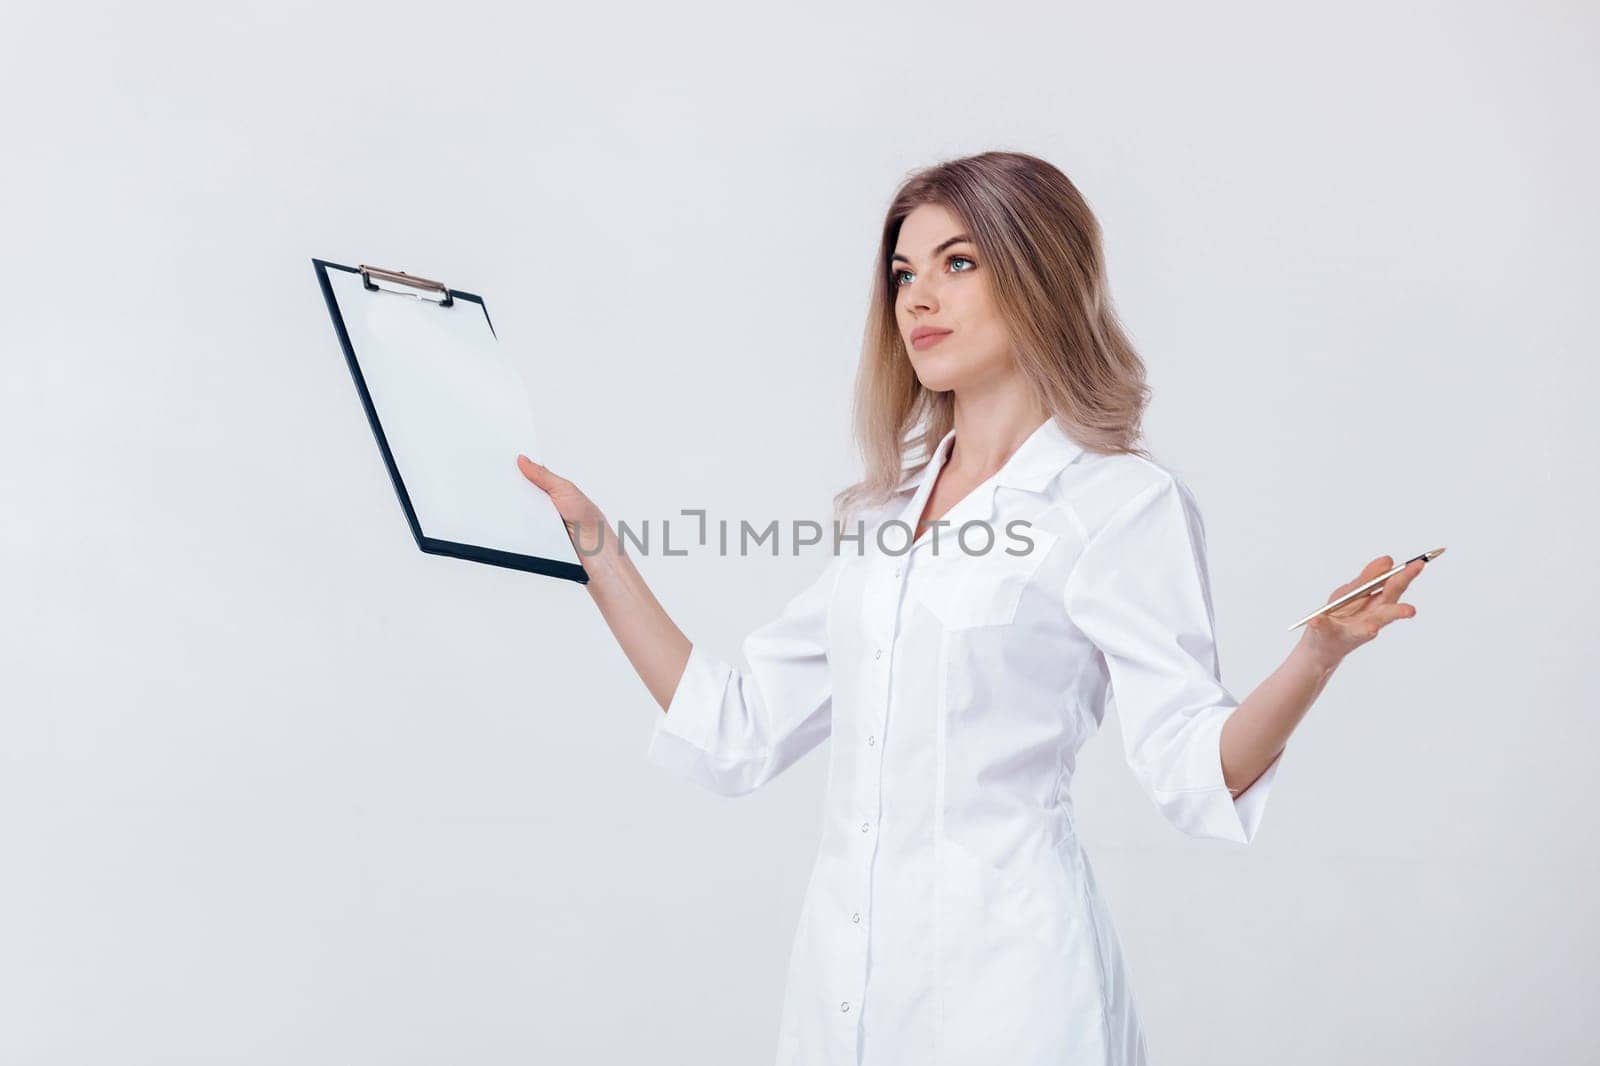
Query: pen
point(1375, 585)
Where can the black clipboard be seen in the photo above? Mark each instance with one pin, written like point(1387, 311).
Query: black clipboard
point(516, 530)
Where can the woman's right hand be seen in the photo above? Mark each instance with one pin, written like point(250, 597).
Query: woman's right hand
point(654, 645)
point(586, 525)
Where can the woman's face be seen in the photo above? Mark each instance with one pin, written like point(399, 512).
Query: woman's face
point(939, 283)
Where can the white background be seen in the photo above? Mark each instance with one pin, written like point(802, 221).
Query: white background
point(276, 787)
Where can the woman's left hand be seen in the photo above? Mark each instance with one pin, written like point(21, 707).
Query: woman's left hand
point(1330, 637)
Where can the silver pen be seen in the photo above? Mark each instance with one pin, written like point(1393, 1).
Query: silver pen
point(1375, 585)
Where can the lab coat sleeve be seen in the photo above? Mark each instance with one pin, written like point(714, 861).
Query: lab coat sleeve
point(1141, 593)
point(733, 730)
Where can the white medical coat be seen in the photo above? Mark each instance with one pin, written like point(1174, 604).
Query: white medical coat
point(951, 917)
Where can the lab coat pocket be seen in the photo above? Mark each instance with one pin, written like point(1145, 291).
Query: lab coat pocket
point(1037, 901)
point(984, 589)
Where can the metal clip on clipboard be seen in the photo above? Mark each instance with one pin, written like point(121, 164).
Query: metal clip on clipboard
point(440, 290)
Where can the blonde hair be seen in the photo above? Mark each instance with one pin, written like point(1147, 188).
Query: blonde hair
point(1046, 274)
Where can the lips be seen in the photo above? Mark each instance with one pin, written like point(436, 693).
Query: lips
point(925, 337)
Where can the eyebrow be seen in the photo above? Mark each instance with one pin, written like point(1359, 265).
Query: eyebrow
point(957, 239)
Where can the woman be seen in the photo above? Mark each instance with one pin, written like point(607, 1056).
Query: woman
point(952, 915)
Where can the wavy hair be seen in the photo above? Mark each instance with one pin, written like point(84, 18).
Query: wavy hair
point(1046, 272)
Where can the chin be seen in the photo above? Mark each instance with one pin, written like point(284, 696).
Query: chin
point(937, 376)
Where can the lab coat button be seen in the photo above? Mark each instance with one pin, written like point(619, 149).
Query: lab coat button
point(856, 917)
point(871, 741)
point(844, 1007)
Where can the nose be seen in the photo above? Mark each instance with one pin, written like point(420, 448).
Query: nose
point(919, 295)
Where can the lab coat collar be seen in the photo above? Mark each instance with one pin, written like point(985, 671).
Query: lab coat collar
point(1046, 451)
point(1038, 459)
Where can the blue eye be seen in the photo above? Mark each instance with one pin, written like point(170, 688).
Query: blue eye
point(894, 279)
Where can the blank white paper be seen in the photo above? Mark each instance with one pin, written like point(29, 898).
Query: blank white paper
point(455, 413)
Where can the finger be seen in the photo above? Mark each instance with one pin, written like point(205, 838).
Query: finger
point(548, 480)
point(1396, 585)
point(1342, 589)
point(1382, 564)
point(1394, 612)
point(1379, 565)
point(537, 473)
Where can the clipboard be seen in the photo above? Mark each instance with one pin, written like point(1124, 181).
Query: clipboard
point(450, 413)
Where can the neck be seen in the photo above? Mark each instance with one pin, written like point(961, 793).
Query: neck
point(989, 433)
